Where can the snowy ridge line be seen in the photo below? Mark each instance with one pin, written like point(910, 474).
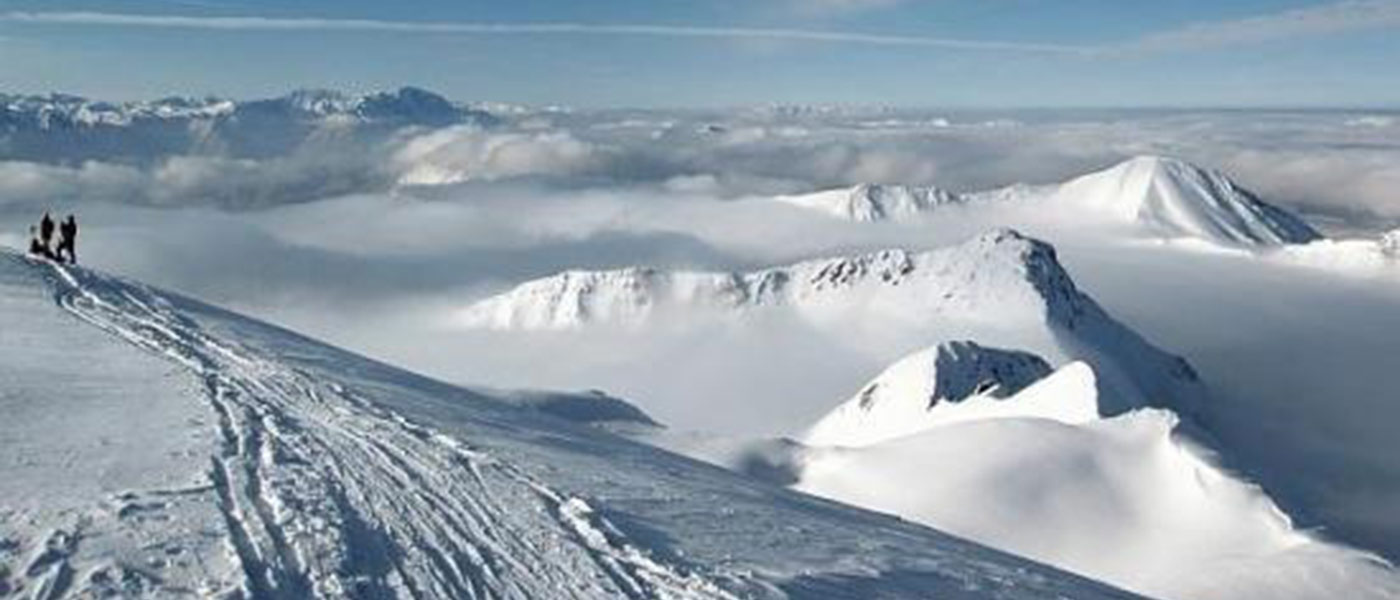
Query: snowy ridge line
point(1163, 196)
point(327, 495)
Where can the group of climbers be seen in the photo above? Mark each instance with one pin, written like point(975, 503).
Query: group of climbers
point(41, 239)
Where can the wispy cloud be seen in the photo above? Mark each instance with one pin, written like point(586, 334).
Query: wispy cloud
point(826, 7)
point(470, 28)
point(1325, 19)
point(1319, 20)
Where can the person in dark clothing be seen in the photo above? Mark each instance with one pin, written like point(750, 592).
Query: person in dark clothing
point(46, 233)
point(35, 246)
point(68, 240)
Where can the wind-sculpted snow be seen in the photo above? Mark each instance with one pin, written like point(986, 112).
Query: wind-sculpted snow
point(999, 288)
point(1163, 196)
point(335, 476)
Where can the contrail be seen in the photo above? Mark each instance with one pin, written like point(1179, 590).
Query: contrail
point(253, 23)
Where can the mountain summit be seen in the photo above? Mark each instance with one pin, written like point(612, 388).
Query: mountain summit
point(1164, 196)
point(1176, 198)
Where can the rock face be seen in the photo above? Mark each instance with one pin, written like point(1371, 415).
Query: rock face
point(1164, 196)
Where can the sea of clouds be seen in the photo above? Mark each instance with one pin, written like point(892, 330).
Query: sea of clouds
point(376, 242)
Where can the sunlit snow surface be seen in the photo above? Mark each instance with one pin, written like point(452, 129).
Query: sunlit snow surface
point(377, 230)
point(156, 445)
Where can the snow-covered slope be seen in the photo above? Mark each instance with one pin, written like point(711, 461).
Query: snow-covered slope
point(1127, 499)
point(1000, 288)
point(1122, 499)
point(156, 446)
point(875, 202)
point(1163, 196)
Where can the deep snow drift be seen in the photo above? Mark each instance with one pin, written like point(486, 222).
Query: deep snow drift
point(159, 446)
point(1163, 196)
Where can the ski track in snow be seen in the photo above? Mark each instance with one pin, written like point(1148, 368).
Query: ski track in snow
point(326, 494)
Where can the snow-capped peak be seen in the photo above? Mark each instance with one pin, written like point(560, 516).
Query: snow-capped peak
point(1176, 198)
point(954, 382)
point(62, 111)
point(870, 202)
point(1165, 196)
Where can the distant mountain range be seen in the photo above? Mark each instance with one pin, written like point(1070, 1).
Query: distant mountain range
point(65, 128)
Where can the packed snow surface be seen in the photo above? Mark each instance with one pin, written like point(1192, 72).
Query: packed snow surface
point(1164, 196)
point(157, 446)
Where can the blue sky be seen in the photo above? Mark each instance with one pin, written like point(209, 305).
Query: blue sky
point(671, 53)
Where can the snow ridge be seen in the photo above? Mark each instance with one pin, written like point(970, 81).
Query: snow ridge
point(1000, 284)
point(1164, 196)
point(61, 128)
point(63, 111)
point(996, 269)
point(870, 202)
point(312, 478)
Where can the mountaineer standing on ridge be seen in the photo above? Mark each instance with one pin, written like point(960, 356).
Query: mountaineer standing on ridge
point(37, 247)
point(46, 234)
point(67, 240)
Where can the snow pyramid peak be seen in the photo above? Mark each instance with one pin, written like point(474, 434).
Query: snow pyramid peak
point(870, 202)
point(1176, 198)
point(954, 382)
